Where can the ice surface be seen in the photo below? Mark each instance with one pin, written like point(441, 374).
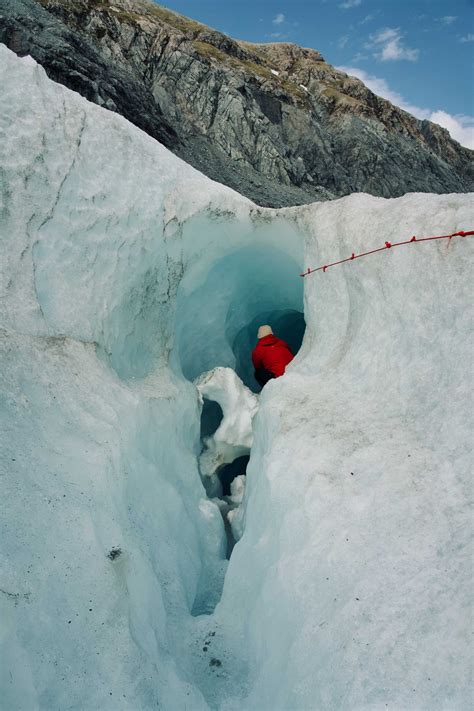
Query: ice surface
point(126, 274)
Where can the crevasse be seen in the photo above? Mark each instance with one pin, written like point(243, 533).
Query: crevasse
point(126, 275)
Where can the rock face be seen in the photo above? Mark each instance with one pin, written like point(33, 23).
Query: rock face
point(275, 122)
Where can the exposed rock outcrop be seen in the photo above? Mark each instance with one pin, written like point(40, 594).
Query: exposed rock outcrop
point(275, 122)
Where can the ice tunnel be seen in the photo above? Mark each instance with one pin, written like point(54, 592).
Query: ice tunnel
point(219, 313)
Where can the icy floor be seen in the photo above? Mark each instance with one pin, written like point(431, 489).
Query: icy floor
point(127, 274)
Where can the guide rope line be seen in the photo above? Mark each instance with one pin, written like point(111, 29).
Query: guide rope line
point(388, 245)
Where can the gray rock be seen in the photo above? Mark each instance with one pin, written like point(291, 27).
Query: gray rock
point(275, 122)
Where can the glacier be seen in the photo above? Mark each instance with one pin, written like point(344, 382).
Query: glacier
point(126, 275)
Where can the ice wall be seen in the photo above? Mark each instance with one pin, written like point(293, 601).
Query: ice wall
point(108, 539)
point(358, 517)
point(111, 547)
point(349, 586)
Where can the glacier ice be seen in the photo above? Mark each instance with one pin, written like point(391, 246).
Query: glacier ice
point(230, 443)
point(125, 276)
point(233, 438)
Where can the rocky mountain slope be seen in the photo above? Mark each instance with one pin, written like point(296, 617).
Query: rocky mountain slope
point(275, 121)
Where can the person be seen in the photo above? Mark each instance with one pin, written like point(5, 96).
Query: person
point(270, 356)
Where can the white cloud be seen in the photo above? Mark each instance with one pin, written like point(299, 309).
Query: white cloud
point(350, 3)
point(449, 19)
point(342, 41)
point(460, 127)
point(279, 19)
point(367, 18)
point(360, 57)
point(389, 43)
point(467, 38)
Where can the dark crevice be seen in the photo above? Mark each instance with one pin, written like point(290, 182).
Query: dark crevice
point(211, 417)
point(228, 472)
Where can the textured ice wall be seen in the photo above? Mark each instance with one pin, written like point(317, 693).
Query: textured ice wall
point(348, 588)
point(108, 540)
point(358, 498)
point(110, 545)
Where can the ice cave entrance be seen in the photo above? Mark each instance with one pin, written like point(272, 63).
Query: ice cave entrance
point(218, 313)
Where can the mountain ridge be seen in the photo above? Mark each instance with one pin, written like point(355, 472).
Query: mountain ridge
point(274, 121)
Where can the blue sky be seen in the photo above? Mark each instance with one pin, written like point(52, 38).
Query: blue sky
point(417, 53)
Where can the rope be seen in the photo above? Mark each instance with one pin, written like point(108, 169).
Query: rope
point(388, 245)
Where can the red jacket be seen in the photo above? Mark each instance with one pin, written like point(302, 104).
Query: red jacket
point(273, 354)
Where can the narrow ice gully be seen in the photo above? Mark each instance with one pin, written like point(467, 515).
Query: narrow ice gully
point(126, 275)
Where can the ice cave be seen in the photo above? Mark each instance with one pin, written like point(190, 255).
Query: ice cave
point(218, 314)
point(132, 292)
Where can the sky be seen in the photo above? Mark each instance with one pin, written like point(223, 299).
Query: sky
point(416, 53)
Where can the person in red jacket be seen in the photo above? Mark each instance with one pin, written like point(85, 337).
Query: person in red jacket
point(270, 356)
